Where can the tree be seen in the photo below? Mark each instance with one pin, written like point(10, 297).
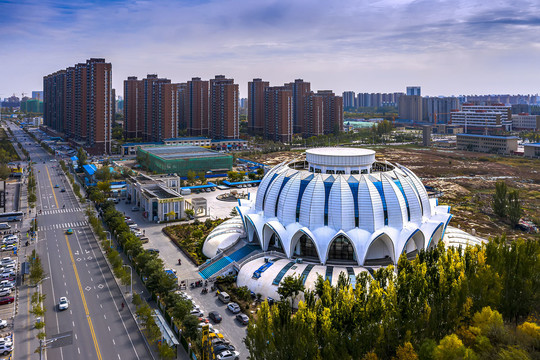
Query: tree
point(406, 352)
point(171, 215)
point(103, 174)
point(450, 348)
point(5, 171)
point(165, 351)
point(191, 329)
point(202, 177)
point(500, 202)
point(514, 207)
point(291, 287)
point(191, 177)
point(104, 186)
point(36, 269)
point(81, 155)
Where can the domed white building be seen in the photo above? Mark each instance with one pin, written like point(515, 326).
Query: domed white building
point(339, 208)
point(342, 206)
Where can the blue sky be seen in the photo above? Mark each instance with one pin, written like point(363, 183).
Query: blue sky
point(446, 46)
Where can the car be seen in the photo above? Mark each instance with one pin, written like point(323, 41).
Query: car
point(63, 190)
point(200, 326)
point(3, 324)
point(8, 247)
point(184, 295)
point(233, 307)
point(218, 349)
point(228, 355)
point(10, 237)
point(135, 208)
point(6, 341)
point(214, 315)
point(69, 231)
point(7, 300)
point(9, 241)
point(7, 284)
point(63, 303)
point(56, 186)
point(5, 292)
point(196, 312)
point(6, 349)
point(243, 319)
point(152, 251)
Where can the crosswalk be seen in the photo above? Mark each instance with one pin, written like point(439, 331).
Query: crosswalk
point(63, 226)
point(60, 211)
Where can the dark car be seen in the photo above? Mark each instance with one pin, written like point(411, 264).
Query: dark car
point(63, 190)
point(221, 348)
point(153, 251)
point(214, 315)
point(243, 318)
point(7, 300)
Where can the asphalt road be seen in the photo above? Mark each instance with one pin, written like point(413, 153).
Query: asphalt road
point(77, 270)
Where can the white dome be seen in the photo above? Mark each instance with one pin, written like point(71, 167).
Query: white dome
point(343, 217)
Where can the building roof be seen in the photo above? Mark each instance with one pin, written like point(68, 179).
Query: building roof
point(74, 158)
point(532, 144)
point(187, 138)
point(489, 136)
point(209, 185)
point(340, 151)
point(169, 152)
point(161, 192)
point(90, 169)
point(143, 144)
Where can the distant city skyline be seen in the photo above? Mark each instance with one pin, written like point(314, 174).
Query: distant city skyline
point(446, 47)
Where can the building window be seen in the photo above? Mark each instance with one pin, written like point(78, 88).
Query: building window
point(341, 249)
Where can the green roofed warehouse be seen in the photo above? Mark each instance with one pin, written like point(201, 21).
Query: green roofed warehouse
point(181, 159)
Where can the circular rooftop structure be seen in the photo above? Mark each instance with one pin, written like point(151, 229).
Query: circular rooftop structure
point(340, 160)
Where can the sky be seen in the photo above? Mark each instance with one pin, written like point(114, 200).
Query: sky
point(448, 47)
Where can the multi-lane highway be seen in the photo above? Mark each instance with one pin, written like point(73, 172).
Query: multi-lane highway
point(77, 270)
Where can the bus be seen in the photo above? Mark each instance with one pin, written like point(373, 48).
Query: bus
point(11, 216)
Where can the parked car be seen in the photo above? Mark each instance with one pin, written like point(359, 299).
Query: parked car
point(5, 292)
point(6, 349)
point(218, 349)
point(7, 284)
point(196, 312)
point(9, 247)
point(63, 304)
point(228, 355)
point(9, 241)
point(152, 251)
point(243, 319)
point(135, 208)
point(7, 300)
point(233, 307)
point(3, 324)
point(215, 317)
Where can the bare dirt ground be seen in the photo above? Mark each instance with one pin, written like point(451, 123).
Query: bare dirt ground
point(467, 180)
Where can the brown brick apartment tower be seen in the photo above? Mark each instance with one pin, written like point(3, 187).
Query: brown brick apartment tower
point(278, 118)
point(224, 116)
point(256, 106)
point(196, 106)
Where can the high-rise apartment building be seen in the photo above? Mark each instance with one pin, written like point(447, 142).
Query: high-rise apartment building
point(414, 91)
point(314, 115)
point(349, 100)
point(278, 113)
point(438, 110)
point(410, 108)
point(224, 115)
point(133, 108)
point(78, 102)
point(165, 108)
point(300, 90)
point(256, 106)
point(323, 114)
point(196, 107)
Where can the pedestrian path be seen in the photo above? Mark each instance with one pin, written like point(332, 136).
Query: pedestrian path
point(60, 211)
point(63, 226)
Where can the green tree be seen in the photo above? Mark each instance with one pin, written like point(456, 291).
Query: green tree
point(291, 287)
point(514, 207)
point(202, 177)
point(406, 352)
point(5, 171)
point(82, 158)
point(103, 174)
point(36, 268)
point(500, 201)
point(165, 351)
point(191, 177)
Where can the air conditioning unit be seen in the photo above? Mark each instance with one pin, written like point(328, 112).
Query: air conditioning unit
point(299, 260)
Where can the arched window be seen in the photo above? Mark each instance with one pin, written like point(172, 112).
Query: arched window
point(275, 244)
point(341, 251)
point(305, 249)
point(380, 251)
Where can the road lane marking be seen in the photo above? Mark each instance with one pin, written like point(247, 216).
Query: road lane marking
point(96, 345)
point(52, 187)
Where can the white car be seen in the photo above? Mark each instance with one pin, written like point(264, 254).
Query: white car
point(3, 324)
point(5, 341)
point(7, 284)
point(6, 260)
point(6, 349)
point(63, 304)
point(228, 355)
point(233, 307)
point(5, 292)
point(184, 295)
point(9, 241)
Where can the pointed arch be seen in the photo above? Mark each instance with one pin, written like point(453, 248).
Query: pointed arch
point(341, 249)
point(251, 230)
point(306, 244)
point(380, 251)
point(436, 236)
point(414, 243)
point(270, 236)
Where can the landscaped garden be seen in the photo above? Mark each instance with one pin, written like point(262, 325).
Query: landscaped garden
point(190, 237)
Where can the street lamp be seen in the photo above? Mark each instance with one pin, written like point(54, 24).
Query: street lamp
point(130, 279)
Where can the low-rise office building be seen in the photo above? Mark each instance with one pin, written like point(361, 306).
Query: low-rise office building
point(486, 143)
point(130, 149)
point(531, 150)
point(526, 122)
point(155, 199)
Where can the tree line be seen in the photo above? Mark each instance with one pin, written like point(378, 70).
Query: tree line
point(473, 303)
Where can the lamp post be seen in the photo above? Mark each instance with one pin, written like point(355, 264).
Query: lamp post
point(130, 279)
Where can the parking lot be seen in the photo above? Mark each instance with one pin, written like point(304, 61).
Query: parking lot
point(7, 310)
point(169, 253)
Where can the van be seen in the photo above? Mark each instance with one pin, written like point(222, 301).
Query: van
point(4, 226)
point(185, 191)
point(224, 297)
